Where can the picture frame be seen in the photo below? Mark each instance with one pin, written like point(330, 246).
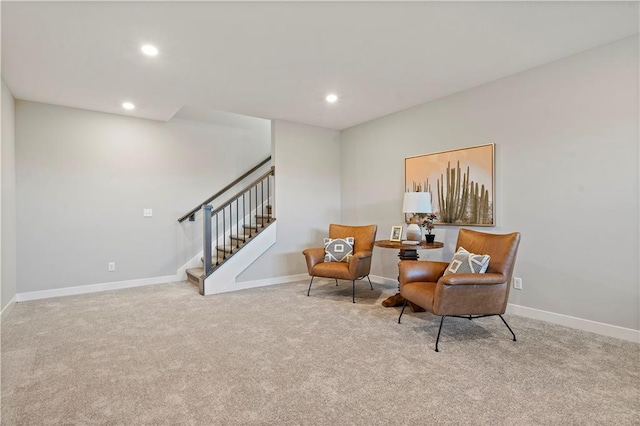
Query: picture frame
point(396, 233)
point(461, 183)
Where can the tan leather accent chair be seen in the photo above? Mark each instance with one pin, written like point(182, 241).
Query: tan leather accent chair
point(359, 265)
point(463, 295)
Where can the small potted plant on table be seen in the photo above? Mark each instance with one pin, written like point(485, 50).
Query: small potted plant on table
point(427, 223)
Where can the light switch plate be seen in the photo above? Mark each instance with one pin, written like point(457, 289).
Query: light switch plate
point(147, 212)
point(517, 283)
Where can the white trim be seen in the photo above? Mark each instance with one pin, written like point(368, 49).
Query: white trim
point(383, 280)
point(7, 309)
point(578, 323)
point(94, 288)
point(242, 285)
point(194, 262)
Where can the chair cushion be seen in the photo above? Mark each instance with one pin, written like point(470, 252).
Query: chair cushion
point(464, 262)
point(339, 270)
point(338, 249)
point(420, 293)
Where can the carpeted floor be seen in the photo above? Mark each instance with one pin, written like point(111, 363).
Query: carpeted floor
point(164, 355)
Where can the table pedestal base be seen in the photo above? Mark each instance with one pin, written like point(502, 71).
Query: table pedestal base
point(396, 299)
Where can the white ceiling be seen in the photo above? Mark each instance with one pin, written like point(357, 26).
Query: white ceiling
point(279, 60)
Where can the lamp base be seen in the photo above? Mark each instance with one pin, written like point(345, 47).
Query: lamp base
point(414, 232)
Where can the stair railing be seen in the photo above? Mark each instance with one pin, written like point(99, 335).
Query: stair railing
point(218, 223)
point(192, 213)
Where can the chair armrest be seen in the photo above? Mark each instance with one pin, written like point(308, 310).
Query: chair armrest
point(420, 270)
point(313, 256)
point(360, 264)
point(472, 279)
point(362, 255)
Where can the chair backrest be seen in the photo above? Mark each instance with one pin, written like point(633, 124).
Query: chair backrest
point(364, 236)
point(502, 248)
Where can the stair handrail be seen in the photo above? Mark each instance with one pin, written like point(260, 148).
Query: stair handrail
point(239, 194)
point(195, 210)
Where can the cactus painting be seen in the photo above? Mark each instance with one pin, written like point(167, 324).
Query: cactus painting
point(463, 179)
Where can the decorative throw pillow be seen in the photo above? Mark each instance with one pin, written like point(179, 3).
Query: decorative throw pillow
point(338, 249)
point(464, 262)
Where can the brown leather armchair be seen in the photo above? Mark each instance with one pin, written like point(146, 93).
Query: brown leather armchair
point(359, 265)
point(463, 295)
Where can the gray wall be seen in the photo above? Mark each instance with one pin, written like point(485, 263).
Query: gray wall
point(566, 137)
point(8, 178)
point(83, 179)
point(307, 161)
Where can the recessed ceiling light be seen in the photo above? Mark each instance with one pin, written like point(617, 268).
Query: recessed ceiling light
point(128, 105)
point(149, 50)
point(331, 98)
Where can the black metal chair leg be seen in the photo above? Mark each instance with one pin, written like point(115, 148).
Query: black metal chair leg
point(353, 290)
point(439, 330)
point(402, 311)
point(336, 282)
point(505, 323)
point(370, 285)
point(311, 282)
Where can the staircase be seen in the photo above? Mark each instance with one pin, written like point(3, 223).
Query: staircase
point(236, 242)
point(234, 234)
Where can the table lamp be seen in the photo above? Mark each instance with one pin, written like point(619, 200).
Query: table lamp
point(416, 203)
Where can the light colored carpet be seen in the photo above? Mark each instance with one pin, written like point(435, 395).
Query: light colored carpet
point(273, 356)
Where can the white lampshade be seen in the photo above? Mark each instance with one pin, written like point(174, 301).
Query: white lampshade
point(416, 202)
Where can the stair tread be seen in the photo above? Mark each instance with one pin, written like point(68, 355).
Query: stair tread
point(196, 272)
point(230, 247)
point(253, 226)
point(215, 259)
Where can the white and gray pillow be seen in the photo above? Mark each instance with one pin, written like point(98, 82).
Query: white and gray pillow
point(338, 249)
point(464, 262)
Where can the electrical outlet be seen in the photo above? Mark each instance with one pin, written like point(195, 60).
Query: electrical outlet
point(517, 283)
point(147, 212)
point(112, 266)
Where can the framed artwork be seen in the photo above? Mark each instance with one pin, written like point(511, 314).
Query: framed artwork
point(396, 233)
point(461, 183)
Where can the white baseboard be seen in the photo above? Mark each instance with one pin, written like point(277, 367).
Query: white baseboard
point(383, 280)
point(7, 309)
point(94, 288)
point(242, 285)
point(578, 323)
point(299, 277)
point(194, 262)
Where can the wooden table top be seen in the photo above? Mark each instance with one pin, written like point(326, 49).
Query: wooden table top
point(398, 245)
